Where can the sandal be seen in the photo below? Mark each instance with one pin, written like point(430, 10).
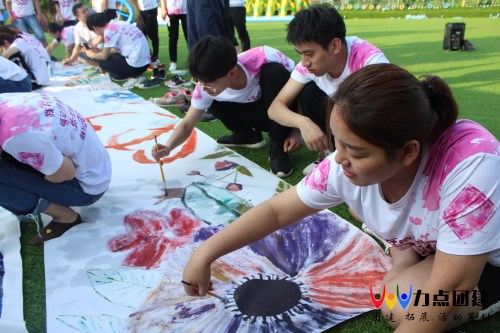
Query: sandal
point(53, 230)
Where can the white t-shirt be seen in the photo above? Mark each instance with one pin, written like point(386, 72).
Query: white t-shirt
point(67, 36)
point(147, 4)
point(36, 61)
point(251, 62)
point(83, 34)
point(39, 130)
point(129, 41)
point(22, 8)
point(11, 71)
point(96, 5)
point(359, 54)
point(451, 206)
point(66, 7)
point(176, 7)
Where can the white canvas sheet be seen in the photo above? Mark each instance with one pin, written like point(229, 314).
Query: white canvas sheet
point(120, 271)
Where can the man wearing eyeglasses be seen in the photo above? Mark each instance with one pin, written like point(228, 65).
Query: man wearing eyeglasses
point(238, 90)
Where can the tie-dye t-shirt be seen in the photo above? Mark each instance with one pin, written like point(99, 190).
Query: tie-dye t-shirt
point(22, 8)
point(176, 7)
point(129, 41)
point(359, 54)
point(66, 7)
point(451, 205)
point(35, 58)
point(39, 130)
point(251, 62)
point(67, 36)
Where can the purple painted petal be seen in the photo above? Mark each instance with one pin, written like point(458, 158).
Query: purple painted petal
point(235, 187)
point(299, 245)
point(225, 165)
point(203, 234)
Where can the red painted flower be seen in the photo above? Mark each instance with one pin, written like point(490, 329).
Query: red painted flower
point(151, 236)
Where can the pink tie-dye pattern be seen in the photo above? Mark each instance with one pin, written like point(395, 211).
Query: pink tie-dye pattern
point(112, 26)
point(361, 51)
point(34, 160)
point(415, 220)
point(253, 60)
point(197, 93)
point(301, 69)
point(468, 212)
point(318, 178)
point(462, 140)
point(12, 123)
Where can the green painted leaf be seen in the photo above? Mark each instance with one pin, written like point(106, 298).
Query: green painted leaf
point(95, 324)
point(124, 286)
point(243, 170)
point(282, 186)
point(218, 155)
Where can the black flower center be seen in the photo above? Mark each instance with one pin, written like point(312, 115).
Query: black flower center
point(266, 297)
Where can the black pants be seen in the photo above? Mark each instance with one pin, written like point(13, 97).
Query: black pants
point(208, 17)
point(116, 65)
point(312, 102)
point(244, 117)
point(239, 21)
point(173, 34)
point(488, 284)
point(151, 29)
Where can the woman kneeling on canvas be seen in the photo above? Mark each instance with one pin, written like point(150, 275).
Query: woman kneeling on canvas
point(50, 159)
point(423, 181)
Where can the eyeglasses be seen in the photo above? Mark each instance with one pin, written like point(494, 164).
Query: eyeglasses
point(196, 83)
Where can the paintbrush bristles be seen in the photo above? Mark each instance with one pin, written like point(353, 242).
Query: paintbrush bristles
point(208, 292)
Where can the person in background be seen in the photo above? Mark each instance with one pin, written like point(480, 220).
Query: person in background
point(148, 23)
point(27, 14)
point(13, 78)
point(107, 7)
point(125, 55)
point(427, 184)
point(60, 34)
point(64, 12)
point(28, 53)
point(55, 163)
point(175, 12)
point(84, 38)
point(237, 89)
point(327, 58)
point(205, 18)
point(2, 10)
point(238, 14)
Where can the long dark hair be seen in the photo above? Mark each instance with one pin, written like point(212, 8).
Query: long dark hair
point(387, 106)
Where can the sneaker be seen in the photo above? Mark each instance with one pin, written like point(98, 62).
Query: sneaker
point(307, 170)
point(131, 83)
point(279, 160)
point(178, 81)
point(118, 78)
point(188, 94)
point(172, 67)
point(208, 117)
point(170, 99)
point(153, 64)
point(251, 139)
point(153, 83)
point(162, 75)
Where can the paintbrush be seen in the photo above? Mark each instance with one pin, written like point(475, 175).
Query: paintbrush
point(208, 292)
point(161, 169)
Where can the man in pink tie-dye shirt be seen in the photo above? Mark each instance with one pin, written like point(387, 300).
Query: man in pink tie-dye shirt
point(327, 58)
point(237, 89)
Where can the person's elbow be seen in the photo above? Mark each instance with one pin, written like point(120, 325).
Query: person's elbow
point(66, 172)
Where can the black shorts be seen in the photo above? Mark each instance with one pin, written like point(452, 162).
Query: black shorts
point(488, 283)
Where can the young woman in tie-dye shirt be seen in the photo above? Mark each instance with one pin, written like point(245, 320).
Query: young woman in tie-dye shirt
point(420, 179)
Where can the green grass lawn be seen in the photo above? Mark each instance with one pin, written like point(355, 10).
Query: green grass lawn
point(413, 44)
